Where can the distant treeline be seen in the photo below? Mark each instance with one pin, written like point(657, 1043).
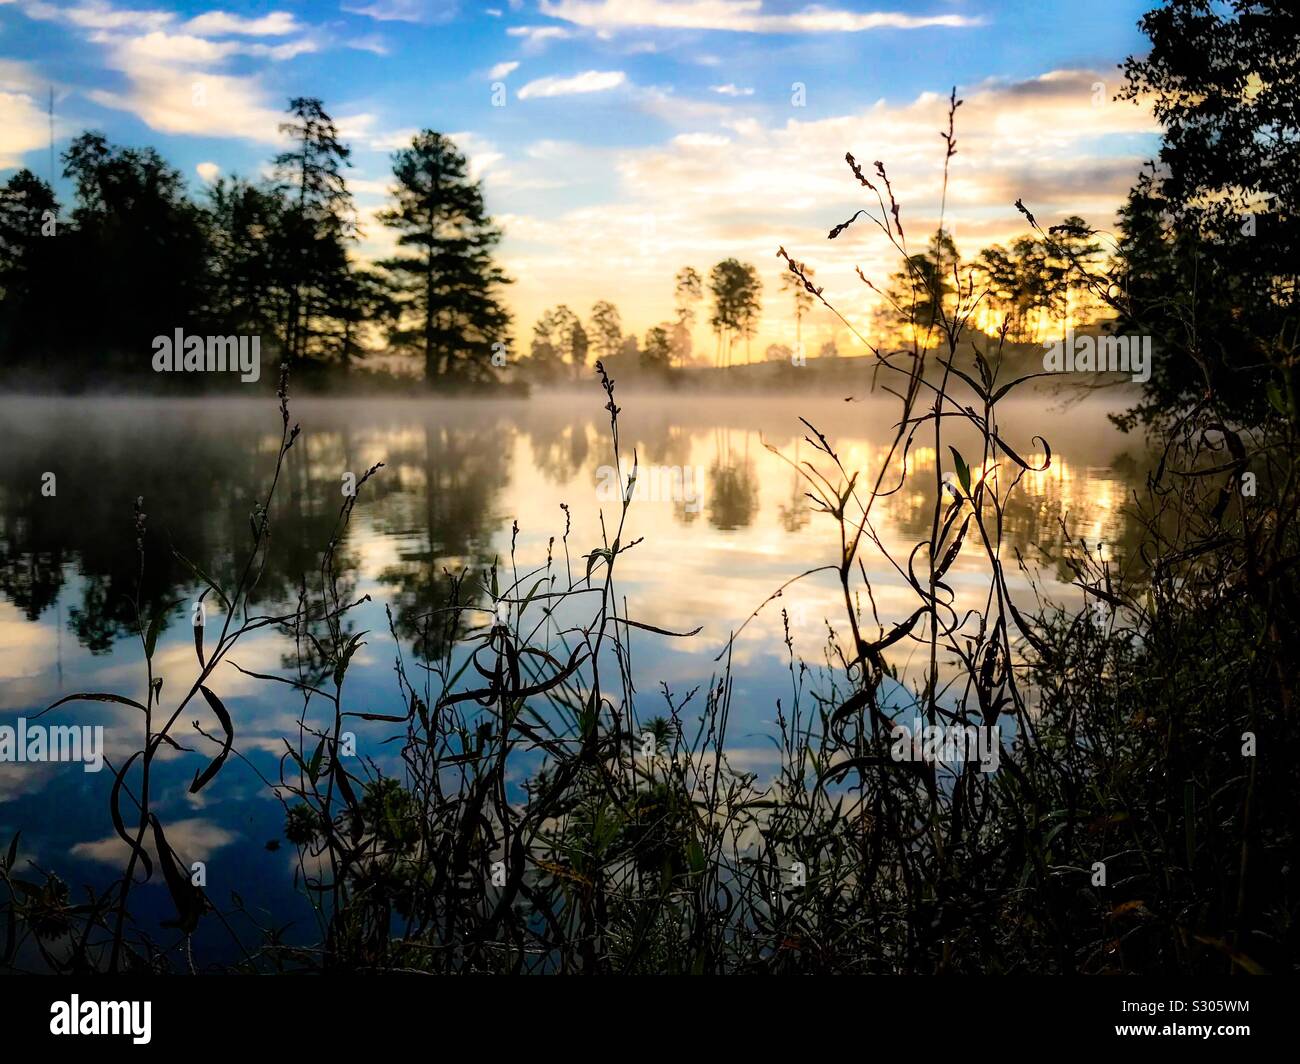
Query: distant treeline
point(84, 292)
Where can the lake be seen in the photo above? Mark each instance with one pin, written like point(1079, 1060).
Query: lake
point(723, 523)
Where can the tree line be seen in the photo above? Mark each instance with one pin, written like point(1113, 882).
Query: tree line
point(562, 343)
point(83, 291)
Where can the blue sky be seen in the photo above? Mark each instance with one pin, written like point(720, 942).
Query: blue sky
point(619, 139)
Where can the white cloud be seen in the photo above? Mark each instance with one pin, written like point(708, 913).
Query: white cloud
point(700, 140)
point(745, 16)
point(731, 90)
point(480, 152)
point(393, 140)
point(220, 23)
point(536, 36)
point(420, 11)
point(180, 49)
point(371, 42)
point(588, 81)
point(168, 100)
point(208, 171)
point(175, 81)
point(98, 15)
point(23, 127)
point(502, 70)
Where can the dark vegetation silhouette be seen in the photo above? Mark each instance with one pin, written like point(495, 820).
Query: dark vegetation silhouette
point(137, 257)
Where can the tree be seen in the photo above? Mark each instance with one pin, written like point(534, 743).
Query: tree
point(920, 291)
point(1074, 258)
point(570, 338)
point(1026, 282)
point(318, 223)
point(448, 282)
point(606, 329)
point(735, 288)
point(27, 205)
point(682, 345)
point(29, 274)
point(249, 281)
point(558, 338)
point(361, 299)
point(657, 352)
point(1211, 238)
point(688, 290)
point(803, 301)
point(134, 231)
point(578, 346)
point(543, 352)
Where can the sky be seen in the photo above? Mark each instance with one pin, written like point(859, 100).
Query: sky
point(619, 140)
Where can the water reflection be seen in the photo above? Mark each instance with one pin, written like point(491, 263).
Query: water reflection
point(455, 476)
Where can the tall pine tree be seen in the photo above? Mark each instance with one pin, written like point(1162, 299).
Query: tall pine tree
point(446, 278)
point(317, 224)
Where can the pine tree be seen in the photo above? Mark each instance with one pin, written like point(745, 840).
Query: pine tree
point(318, 223)
point(447, 281)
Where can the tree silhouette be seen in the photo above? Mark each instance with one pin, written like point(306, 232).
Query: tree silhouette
point(1212, 235)
point(317, 224)
point(606, 329)
point(447, 281)
point(735, 288)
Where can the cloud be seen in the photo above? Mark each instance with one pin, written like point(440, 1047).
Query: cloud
point(208, 171)
point(743, 16)
point(419, 11)
point(535, 37)
point(731, 90)
point(742, 188)
point(480, 152)
point(371, 42)
point(221, 23)
point(24, 126)
point(393, 140)
point(179, 49)
point(200, 104)
point(588, 81)
point(502, 70)
point(97, 15)
point(174, 73)
point(194, 839)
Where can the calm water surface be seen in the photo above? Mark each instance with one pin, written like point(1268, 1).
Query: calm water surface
point(725, 522)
